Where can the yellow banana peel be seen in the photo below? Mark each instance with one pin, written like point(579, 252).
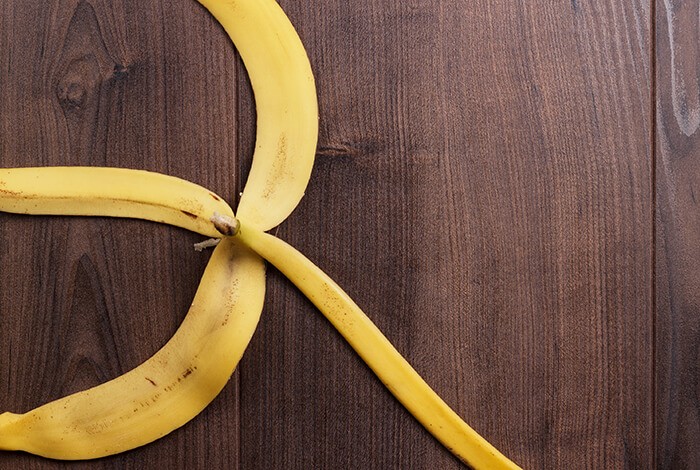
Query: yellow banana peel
point(376, 350)
point(111, 192)
point(285, 102)
point(176, 383)
point(167, 390)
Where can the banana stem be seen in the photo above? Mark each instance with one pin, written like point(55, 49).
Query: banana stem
point(379, 354)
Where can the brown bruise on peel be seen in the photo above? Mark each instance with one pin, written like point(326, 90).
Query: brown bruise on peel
point(185, 374)
point(215, 197)
point(98, 427)
point(191, 206)
point(279, 166)
point(232, 299)
point(333, 302)
point(103, 425)
point(9, 192)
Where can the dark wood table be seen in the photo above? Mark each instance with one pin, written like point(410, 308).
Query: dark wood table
point(508, 188)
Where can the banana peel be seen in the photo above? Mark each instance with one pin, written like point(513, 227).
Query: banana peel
point(193, 367)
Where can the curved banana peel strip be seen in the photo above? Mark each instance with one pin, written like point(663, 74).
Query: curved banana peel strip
point(167, 390)
point(111, 192)
point(286, 105)
point(376, 350)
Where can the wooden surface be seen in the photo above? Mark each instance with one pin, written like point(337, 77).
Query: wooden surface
point(507, 188)
point(677, 231)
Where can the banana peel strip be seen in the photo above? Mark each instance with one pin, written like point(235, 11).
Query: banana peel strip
point(377, 352)
point(168, 389)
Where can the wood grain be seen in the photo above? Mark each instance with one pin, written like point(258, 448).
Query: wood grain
point(483, 189)
point(678, 224)
point(117, 83)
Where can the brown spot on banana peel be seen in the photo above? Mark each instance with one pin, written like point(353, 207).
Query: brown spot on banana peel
point(279, 167)
point(9, 192)
point(186, 373)
point(189, 214)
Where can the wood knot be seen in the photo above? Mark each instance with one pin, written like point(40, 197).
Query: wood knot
point(120, 72)
point(71, 94)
